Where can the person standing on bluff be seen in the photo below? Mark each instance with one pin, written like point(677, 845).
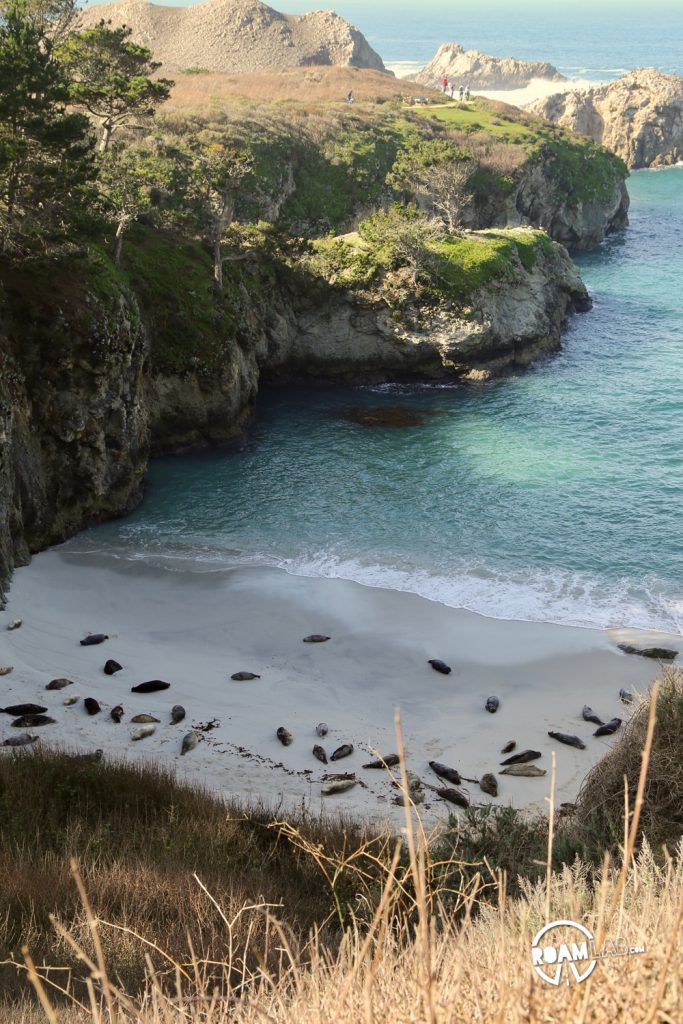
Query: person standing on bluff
point(462, 91)
point(349, 96)
point(444, 85)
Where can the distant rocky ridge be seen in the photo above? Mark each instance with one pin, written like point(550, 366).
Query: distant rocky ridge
point(639, 116)
point(237, 36)
point(478, 70)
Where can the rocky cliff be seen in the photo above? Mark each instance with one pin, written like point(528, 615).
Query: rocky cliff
point(92, 382)
point(639, 117)
point(480, 71)
point(237, 36)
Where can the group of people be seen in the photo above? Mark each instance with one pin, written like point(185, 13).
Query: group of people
point(446, 86)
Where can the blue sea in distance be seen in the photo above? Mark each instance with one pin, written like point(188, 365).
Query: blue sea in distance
point(554, 494)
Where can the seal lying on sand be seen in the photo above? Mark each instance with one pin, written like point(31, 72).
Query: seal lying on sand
point(531, 771)
point(384, 762)
point(590, 716)
point(59, 684)
point(442, 770)
point(92, 706)
point(111, 667)
point(625, 696)
point(285, 737)
point(523, 757)
point(658, 653)
point(440, 666)
point(6, 669)
point(73, 699)
point(117, 713)
point(454, 796)
point(94, 638)
point(23, 709)
point(144, 719)
point(20, 741)
point(31, 721)
point(571, 741)
point(319, 752)
point(489, 784)
point(143, 731)
point(509, 747)
point(492, 705)
point(177, 714)
point(321, 729)
point(338, 787)
point(316, 638)
point(608, 728)
point(244, 676)
point(345, 750)
point(15, 624)
point(151, 686)
point(190, 741)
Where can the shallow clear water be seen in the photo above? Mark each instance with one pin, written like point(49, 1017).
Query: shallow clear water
point(553, 494)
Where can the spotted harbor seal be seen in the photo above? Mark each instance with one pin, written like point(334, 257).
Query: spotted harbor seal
point(144, 719)
point(390, 761)
point(20, 741)
point(589, 715)
point(69, 701)
point(571, 741)
point(6, 669)
point(151, 686)
point(509, 747)
point(319, 752)
point(285, 737)
point(177, 714)
point(94, 638)
point(625, 696)
point(321, 729)
point(492, 705)
point(338, 787)
point(454, 796)
point(489, 784)
point(345, 750)
point(444, 772)
point(608, 728)
point(23, 709)
point(92, 706)
point(244, 676)
point(658, 653)
point(523, 757)
point(116, 714)
point(143, 732)
point(111, 667)
point(440, 666)
point(316, 638)
point(31, 721)
point(15, 624)
point(531, 771)
point(190, 741)
point(59, 684)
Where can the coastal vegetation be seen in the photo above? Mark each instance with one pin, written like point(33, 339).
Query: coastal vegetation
point(187, 900)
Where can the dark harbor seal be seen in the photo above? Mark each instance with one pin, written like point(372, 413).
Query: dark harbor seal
point(523, 757)
point(316, 638)
point(444, 772)
point(93, 639)
point(656, 653)
point(244, 676)
point(390, 761)
point(489, 784)
point(144, 719)
point(319, 752)
point(111, 667)
point(151, 686)
point(345, 750)
point(177, 714)
point(625, 696)
point(59, 684)
point(31, 721)
point(285, 737)
point(530, 771)
point(571, 741)
point(492, 705)
point(589, 715)
point(453, 796)
point(440, 666)
point(608, 728)
point(509, 747)
point(92, 706)
point(116, 713)
point(24, 709)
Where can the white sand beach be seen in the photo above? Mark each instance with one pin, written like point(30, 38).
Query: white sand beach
point(537, 89)
point(194, 629)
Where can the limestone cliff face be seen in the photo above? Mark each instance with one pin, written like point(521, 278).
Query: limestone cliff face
point(83, 406)
point(480, 71)
point(639, 116)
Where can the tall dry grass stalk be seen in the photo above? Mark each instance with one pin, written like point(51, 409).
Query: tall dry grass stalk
point(409, 963)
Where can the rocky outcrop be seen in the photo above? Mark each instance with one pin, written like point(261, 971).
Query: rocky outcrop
point(238, 36)
point(479, 71)
point(639, 116)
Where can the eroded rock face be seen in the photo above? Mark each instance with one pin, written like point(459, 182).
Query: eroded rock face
point(238, 36)
point(639, 116)
point(463, 67)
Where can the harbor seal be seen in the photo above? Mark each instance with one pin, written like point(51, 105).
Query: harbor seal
point(94, 638)
point(530, 771)
point(608, 728)
point(509, 747)
point(657, 653)
point(31, 721)
point(285, 737)
point(492, 705)
point(15, 624)
point(440, 666)
point(244, 676)
point(625, 696)
point(6, 669)
point(92, 706)
point(489, 784)
point(589, 715)
point(144, 719)
point(190, 741)
point(116, 714)
point(316, 638)
point(571, 741)
point(523, 757)
point(93, 757)
point(390, 761)
point(151, 686)
point(177, 714)
point(111, 667)
point(319, 752)
point(20, 741)
point(143, 732)
point(453, 796)
point(338, 787)
point(444, 772)
point(321, 729)
point(59, 684)
point(69, 701)
point(23, 709)
point(345, 750)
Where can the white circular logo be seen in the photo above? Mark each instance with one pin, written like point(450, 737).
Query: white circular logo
point(548, 960)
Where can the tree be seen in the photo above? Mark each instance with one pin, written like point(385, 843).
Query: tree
point(438, 172)
point(45, 152)
point(54, 18)
point(110, 77)
point(130, 181)
point(403, 236)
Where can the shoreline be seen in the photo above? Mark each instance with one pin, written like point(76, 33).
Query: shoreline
point(195, 629)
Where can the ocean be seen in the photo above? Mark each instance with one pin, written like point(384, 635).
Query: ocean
point(553, 494)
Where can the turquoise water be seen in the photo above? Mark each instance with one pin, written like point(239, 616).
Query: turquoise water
point(554, 494)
